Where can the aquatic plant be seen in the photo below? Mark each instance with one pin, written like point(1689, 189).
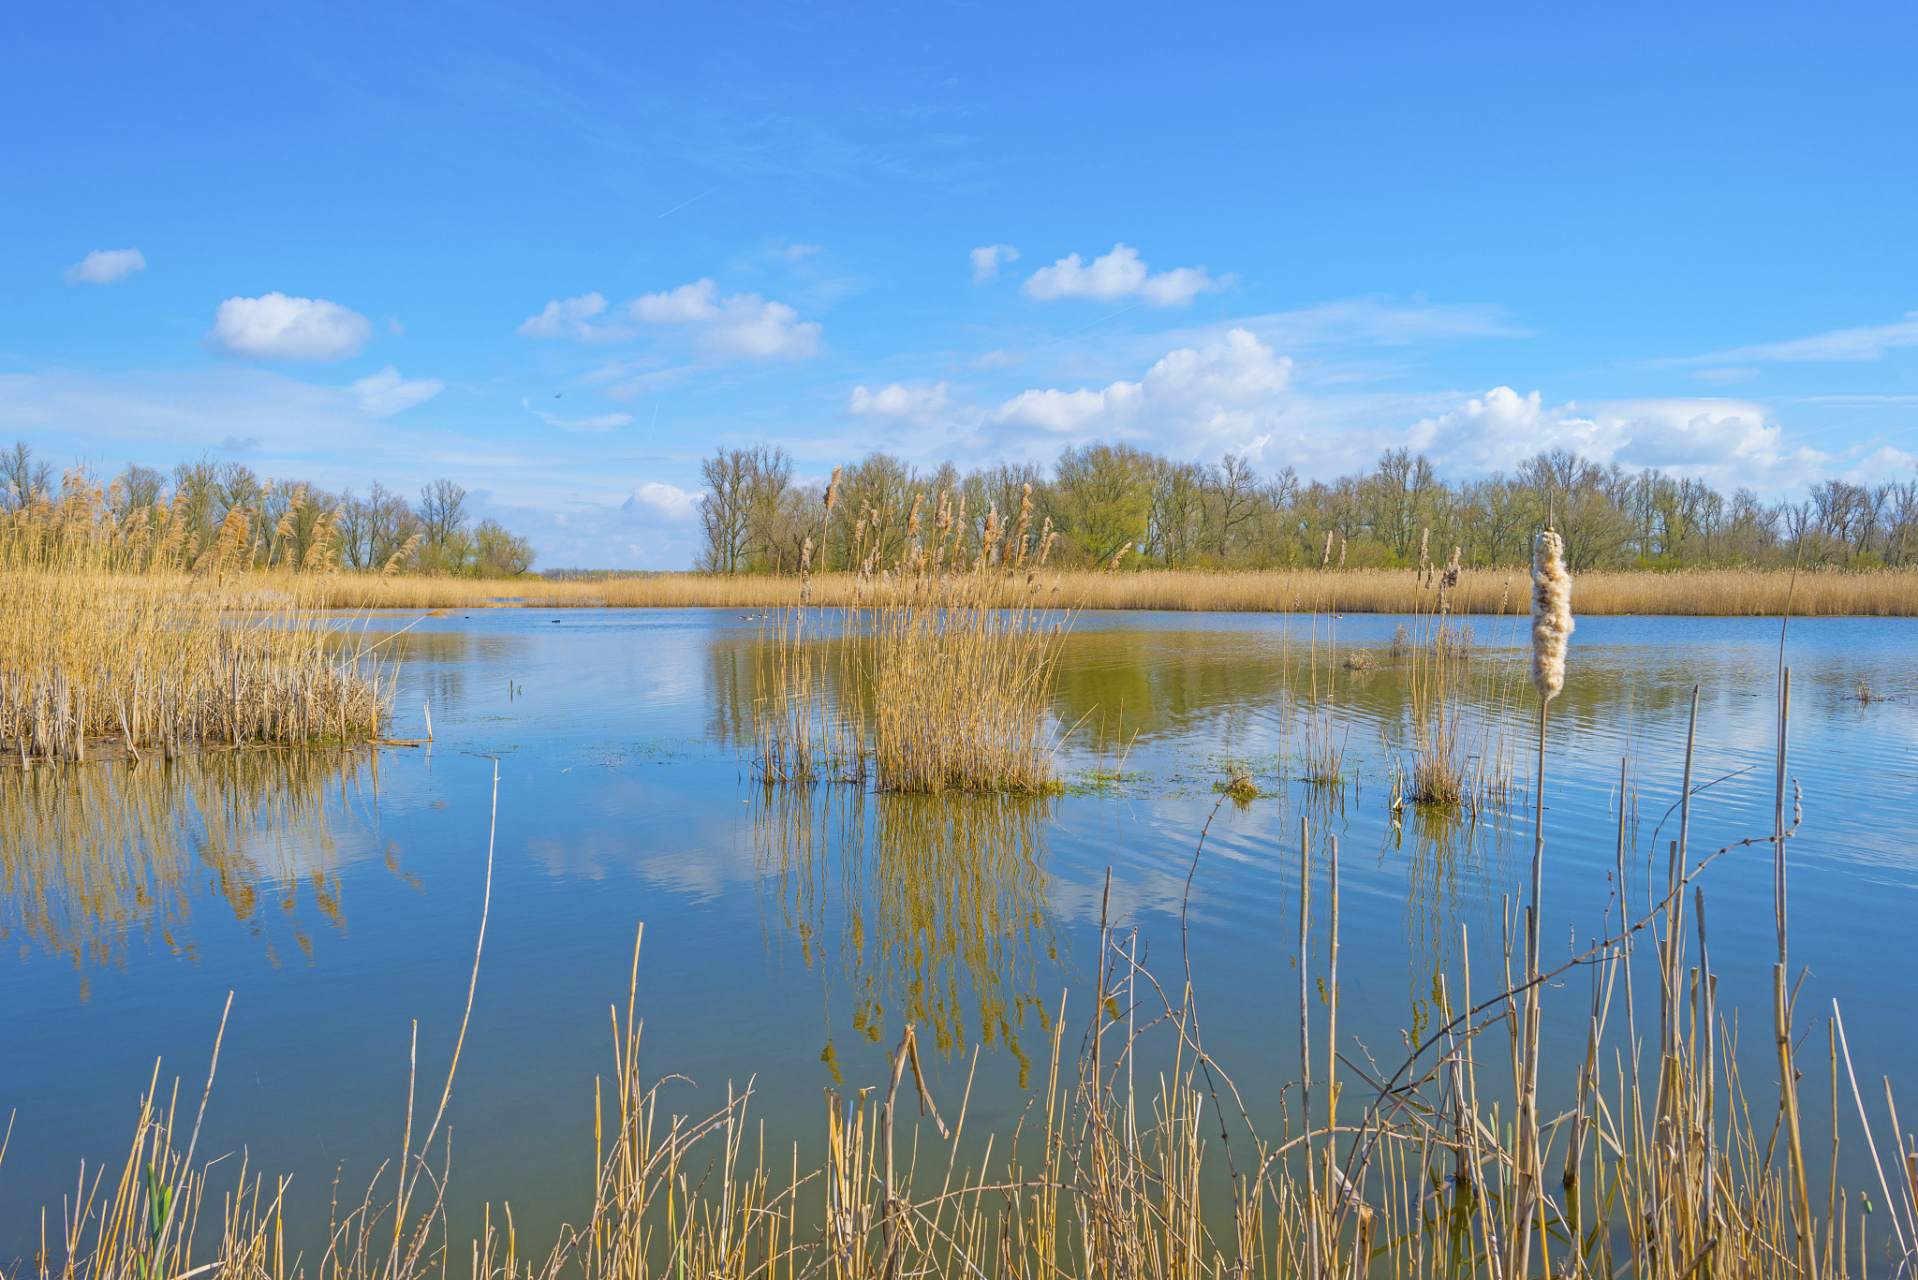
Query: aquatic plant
point(104, 639)
point(928, 680)
point(1426, 1175)
point(1480, 591)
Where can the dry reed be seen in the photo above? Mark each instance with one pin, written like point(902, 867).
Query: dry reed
point(927, 680)
point(1691, 592)
point(104, 638)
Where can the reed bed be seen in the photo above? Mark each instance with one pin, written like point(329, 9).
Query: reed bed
point(1664, 1162)
point(104, 639)
point(1459, 753)
point(1664, 1159)
point(927, 680)
point(1692, 592)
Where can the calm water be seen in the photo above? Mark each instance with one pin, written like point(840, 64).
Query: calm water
point(788, 936)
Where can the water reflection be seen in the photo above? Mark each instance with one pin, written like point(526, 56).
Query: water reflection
point(936, 905)
point(92, 855)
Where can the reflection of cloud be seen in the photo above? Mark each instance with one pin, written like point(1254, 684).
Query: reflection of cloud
point(115, 851)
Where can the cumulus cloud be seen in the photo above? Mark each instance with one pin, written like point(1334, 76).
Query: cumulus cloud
point(987, 257)
point(667, 502)
point(1865, 342)
point(1119, 274)
point(570, 318)
point(1223, 391)
point(920, 406)
point(1724, 441)
point(736, 326)
point(386, 392)
point(742, 324)
point(277, 327)
point(104, 266)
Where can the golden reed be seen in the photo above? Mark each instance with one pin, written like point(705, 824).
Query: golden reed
point(1702, 592)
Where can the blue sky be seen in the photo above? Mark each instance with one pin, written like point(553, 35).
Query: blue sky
point(560, 252)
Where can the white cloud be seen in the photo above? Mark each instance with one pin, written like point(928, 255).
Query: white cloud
point(986, 259)
point(1865, 342)
point(998, 359)
point(1723, 441)
point(104, 266)
point(742, 324)
point(598, 422)
point(1119, 274)
point(899, 403)
point(794, 252)
point(1224, 392)
point(688, 304)
point(278, 327)
point(386, 392)
point(669, 502)
point(568, 319)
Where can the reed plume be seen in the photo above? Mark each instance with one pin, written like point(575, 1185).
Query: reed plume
point(1551, 614)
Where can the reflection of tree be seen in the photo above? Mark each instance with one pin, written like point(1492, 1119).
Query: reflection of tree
point(90, 854)
point(941, 901)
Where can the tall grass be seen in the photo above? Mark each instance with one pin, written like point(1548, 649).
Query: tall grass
point(927, 679)
point(1458, 709)
point(1664, 1162)
point(104, 637)
point(1691, 592)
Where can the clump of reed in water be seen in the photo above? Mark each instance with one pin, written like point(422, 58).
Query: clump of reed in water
point(104, 637)
point(936, 682)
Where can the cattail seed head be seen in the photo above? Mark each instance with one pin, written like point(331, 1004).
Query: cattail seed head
point(1551, 614)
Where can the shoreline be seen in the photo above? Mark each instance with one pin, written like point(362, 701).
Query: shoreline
point(1771, 593)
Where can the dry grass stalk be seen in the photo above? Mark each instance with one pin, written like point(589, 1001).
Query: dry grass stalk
point(102, 636)
point(929, 681)
point(1701, 592)
point(1107, 1178)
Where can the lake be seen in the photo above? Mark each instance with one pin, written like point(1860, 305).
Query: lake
point(790, 934)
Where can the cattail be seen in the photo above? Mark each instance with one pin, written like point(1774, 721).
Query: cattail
point(1551, 614)
point(832, 490)
point(912, 517)
point(1425, 537)
point(1341, 553)
point(1326, 557)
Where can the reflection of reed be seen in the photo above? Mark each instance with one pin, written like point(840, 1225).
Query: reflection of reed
point(90, 854)
point(941, 901)
point(1448, 884)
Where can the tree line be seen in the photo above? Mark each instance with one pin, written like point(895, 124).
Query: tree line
point(1114, 505)
point(270, 523)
